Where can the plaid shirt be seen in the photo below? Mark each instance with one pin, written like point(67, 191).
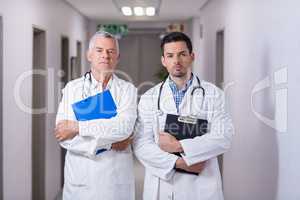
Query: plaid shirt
point(179, 94)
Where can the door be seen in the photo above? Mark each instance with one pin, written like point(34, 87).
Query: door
point(220, 73)
point(64, 79)
point(38, 119)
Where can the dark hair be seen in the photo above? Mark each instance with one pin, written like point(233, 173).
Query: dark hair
point(176, 37)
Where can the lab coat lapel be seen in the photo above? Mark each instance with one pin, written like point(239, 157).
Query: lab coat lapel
point(185, 108)
point(167, 102)
point(113, 86)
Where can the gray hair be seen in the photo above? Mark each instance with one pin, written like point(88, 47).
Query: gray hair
point(103, 34)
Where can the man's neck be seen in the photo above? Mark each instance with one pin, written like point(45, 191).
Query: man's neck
point(101, 77)
point(181, 81)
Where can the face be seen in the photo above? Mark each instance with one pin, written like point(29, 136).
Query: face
point(177, 59)
point(103, 56)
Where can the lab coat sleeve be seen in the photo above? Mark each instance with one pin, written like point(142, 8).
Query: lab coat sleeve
point(158, 162)
point(78, 144)
point(217, 141)
point(118, 128)
point(88, 144)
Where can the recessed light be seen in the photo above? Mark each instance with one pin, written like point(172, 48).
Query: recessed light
point(138, 11)
point(126, 11)
point(150, 11)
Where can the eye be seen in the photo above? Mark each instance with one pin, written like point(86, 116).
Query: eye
point(111, 51)
point(169, 55)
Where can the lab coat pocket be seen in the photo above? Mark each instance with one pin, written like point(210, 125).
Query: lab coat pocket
point(76, 170)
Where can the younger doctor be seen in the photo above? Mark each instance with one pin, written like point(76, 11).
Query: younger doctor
point(98, 163)
point(154, 147)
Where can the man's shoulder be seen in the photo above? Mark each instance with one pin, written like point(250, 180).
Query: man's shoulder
point(124, 83)
point(210, 88)
point(152, 92)
point(75, 83)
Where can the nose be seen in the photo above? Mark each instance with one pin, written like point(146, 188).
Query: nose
point(104, 54)
point(176, 59)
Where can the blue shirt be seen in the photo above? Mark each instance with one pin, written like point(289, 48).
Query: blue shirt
point(178, 94)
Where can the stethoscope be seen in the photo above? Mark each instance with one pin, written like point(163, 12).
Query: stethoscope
point(160, 112)
point(85, 93)
point(88, 76)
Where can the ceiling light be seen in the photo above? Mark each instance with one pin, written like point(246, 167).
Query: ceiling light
point(150, 11)
point(126, 11)
point(138, 11)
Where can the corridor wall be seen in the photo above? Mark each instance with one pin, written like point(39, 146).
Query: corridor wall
point(261, 75)
point(56, 18)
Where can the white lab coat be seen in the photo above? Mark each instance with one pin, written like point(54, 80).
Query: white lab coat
point(109, 175)
point(161, 180)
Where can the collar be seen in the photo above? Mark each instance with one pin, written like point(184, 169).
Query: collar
point(95, 84)
point(173, 85)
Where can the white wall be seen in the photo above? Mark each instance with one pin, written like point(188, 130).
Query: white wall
point(1, 115)
point(19, 16)
point(261, 37)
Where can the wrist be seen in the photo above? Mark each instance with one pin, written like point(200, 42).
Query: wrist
point(180, 163)
point(178, 147)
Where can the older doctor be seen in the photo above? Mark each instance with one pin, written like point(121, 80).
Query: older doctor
point(155, 148)
point(98, 163)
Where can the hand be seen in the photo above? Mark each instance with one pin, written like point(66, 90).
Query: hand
point(195, 168)
point(66, 129)
point(122, 145)
point(169, 143)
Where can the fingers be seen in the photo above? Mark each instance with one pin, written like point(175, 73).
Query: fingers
point(198, 167)
point(121, 146)
point(60, 137)
point(58, 134)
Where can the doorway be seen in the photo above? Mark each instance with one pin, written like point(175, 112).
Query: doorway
point(65, 67)
point(220, 74)
point(39, 119)
point(220, 59)
point(65, 60)
point(77, 71)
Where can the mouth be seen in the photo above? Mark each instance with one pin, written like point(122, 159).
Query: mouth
point(178, 67)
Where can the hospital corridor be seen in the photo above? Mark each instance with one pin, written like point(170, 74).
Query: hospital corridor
point(250, 49)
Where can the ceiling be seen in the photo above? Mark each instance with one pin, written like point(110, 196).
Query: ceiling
point(105, 10)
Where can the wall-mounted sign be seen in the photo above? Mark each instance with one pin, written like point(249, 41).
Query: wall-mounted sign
point(119, 30)
point(175, 28)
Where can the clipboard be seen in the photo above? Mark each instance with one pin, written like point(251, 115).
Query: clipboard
point(99, 106)
point(185, 127)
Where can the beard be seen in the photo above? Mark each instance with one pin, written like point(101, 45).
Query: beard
point(179, 73)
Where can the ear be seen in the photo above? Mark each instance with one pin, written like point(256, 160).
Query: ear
point(193, 56)
point(163, 61)
point(89, 55)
